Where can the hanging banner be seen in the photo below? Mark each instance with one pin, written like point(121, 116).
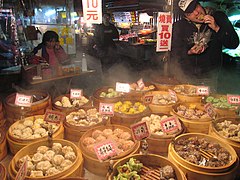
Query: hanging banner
point(92, 11)
point(164, 31)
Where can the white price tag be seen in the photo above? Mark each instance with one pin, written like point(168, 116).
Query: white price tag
point(54, 116)
point(106, 109)
point(140, 83)
point(23, 100)
point(170, 124)
point(75, 93)
point(140, 130)
point(202, 90)
point(105, 150)
point(21, 174)
point(122, 87)
point(233, 99)
point(210, 110)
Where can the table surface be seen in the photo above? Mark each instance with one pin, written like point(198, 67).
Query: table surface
point(33, 82)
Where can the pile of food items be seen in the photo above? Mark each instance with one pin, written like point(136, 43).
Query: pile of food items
point(191, 112)
point(220, 102)
point(128, 107)
point(122, 139)
point(202, 151)
point(135, 87)
point(153, 122)
point(31, 128)
point(134, 169)
point(110, 93)
point(185, 90)
point(228, 129)
point(163, 99)
point(81, 117)
point(48, 161)
point(69, 103)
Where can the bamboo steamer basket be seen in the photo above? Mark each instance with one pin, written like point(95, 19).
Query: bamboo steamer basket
point(91, 162)
point(151, 160)
point(15, 144)
point(76, 169)
point(3, 144)
point(38, 107)
point(194, 171)
point(74, 178)
point(3, 172)
point(193, 125)
point(223, 112)
point(74, 133)
point(159, 108)
point(186, 97)
point(129, 119)
point(97, 99)
point(2, 119)
point(165, 83)
point(68, 110)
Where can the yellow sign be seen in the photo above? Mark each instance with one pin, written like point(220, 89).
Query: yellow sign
point(69, 40)
point(61, 41)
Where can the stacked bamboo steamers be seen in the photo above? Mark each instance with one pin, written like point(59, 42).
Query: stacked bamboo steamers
point(204, 145)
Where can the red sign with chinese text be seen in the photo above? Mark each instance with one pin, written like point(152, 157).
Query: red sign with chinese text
point(106, 108)
point(23, 100)
point(140, 130)
point(105, 150)
point(52, 116)
point(233, 99)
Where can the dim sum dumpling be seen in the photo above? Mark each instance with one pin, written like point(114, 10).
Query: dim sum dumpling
point(28, 123)
point(58, 103)
point(67, 149)
point(42, 149)
point(127, 145)
point(57, 147)
point(37, 157)
point(43, 166)
point(96, 133)
point(52, 171)
point(125, 135)
point(107, 132)
point(40, 131)
point(88, 141)
point(66, 163)
point(70, 155)
point(48, 155)
point(57, 159)
point(36, 174)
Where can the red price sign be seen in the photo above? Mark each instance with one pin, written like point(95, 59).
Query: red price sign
point(21, 174)
point(233, 99)
point(140, 83)
point(105, 150)
point(210, 110)
point(23, 100)
point(140, 130)
point(173, 94)
point(202, 90)
point(75, 93)
point(54, 116)
point(122, 87)
point(148, 99)
point(170, 124)
point(106, 109)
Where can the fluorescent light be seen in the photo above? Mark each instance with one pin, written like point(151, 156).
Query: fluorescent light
point(50, 12)
point(234, 18)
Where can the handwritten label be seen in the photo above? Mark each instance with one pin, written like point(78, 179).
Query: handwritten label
point(140, 130)
point(233, 99)
point(148, 99)
point(21, 174)
point(140, 84)
point(54, 116)
point(122, 87)
point(210, 110)
point(106, 109)
point(75, 93)
point(23, 100)
point(170, 124)
point(105, 150)
point(173, 94)
point(202, 90)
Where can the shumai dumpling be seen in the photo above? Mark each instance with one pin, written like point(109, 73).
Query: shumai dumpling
point(20, 126)
point(70, 155)
point(40, 131)
point(66, 163)
point(39, 121)
point(58, 159)
point(28, 123)
point(37, 157)
point(96, 133)
point(57, 147)
point(36, 174)
point(23, 159)
point(17, 132)
point(43, 166)
point(88, 141)
point(30, 166)
point(58, 103)
point(42, 149)
point(48, 155)
point(52, 171)
point(67, 149)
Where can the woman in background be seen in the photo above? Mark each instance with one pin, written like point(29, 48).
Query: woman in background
point(50, 50)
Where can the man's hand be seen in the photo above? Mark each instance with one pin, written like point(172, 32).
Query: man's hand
point(196, 49)
point(210, 21)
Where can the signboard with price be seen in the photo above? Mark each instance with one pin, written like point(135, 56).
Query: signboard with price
point(106, 109)
point(23, 100)
point(210, 110)
point(54, 116)
point(105, 150)
point(122, 87)
point(140, 130)
point(22, 171)
point(148, 99)
point(233, 99)
point(202, 90)
point(170, 124)
point(75, 93)
point(140, 83)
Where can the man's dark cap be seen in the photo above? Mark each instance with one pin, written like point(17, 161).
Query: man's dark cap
point(187, 6)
